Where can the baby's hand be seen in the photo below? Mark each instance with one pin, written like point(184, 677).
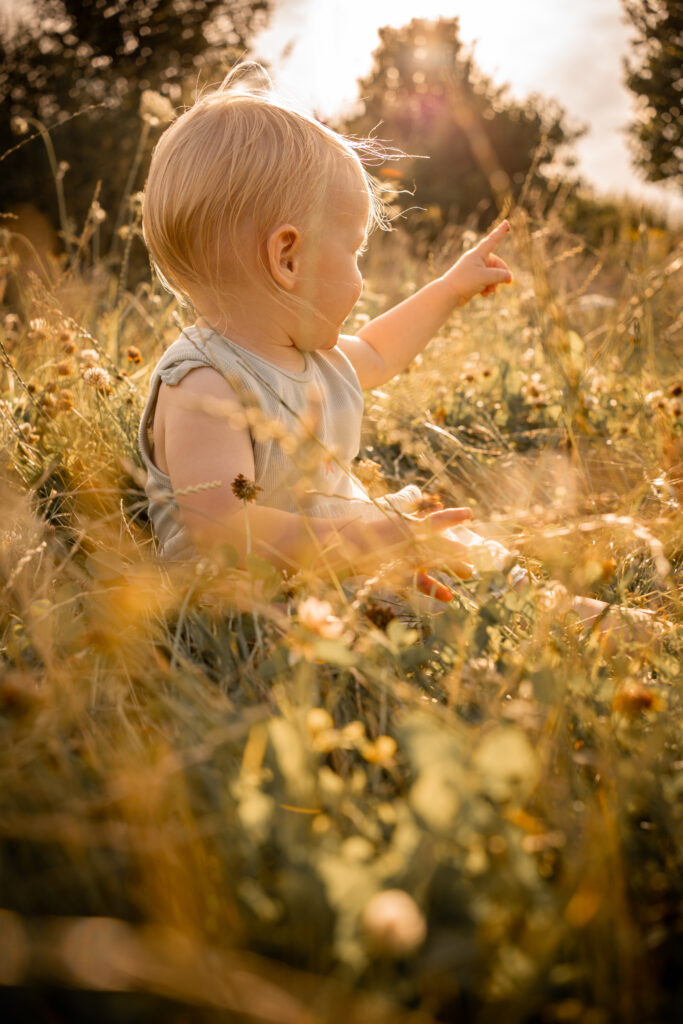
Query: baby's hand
point(479, 271)
point(442, 549)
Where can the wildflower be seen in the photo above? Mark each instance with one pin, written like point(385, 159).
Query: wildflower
point(48, 403)
point(354, 731)
point(31, 387)
point(97, 214)
point(393, 923)
point(245, 490)
point(65, 400)
point(64, 368)
point(50, 387)
point(609, 568)
point(428, 503)
point(381, 751)
point(317, 616)
point(155, 109)
point(88, 356)
point(368, 471)
point(12, 324)
point(634, 697)
point(66, 340)
point(380, 614)
point(318, 720)
point(675, 390)
point(133, 355)
point(96, 377)
point(19, 125)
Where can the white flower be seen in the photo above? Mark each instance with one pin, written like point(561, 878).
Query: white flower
point(393, 923)
point(317, 616)
point(155, 109)
point(89, 357)
point(96, 377)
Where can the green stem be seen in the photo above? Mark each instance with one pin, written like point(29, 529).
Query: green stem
point(130, 181)
point(246, 519)
point(59, 188)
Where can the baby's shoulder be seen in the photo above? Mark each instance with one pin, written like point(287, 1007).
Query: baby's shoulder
point(334, 362)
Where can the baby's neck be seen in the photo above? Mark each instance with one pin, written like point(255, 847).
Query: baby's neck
point(272, 345)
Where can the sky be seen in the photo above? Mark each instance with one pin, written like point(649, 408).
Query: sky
point(570, 50)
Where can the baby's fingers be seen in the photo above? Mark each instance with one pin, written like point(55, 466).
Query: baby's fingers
point(426, 584)
point(493, 239)
point(496, 275)
point(438, 521)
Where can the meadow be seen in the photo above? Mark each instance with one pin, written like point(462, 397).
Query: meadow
point(229, 795)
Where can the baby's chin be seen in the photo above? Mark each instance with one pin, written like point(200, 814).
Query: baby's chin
point(320, 344)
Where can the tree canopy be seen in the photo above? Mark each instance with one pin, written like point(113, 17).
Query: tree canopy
point(655, 75)
point(101, 57)
point(427, 96)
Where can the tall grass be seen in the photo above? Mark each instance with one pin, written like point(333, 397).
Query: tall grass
point(214, 782)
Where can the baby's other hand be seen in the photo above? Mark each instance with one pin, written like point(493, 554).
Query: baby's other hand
point(479, 271)
point(448, 552)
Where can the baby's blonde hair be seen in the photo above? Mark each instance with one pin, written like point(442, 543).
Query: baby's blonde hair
point(233, 166)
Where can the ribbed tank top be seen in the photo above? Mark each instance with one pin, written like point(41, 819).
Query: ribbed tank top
point(304, 429)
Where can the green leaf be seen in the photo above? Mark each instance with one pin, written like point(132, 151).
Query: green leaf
point(507, 764)
point(334, 652)
point(400, 634)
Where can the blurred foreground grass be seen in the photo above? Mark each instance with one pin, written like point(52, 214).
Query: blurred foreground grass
point(226, 796)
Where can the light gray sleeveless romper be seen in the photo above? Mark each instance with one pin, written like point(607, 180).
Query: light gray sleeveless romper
point(304, 428)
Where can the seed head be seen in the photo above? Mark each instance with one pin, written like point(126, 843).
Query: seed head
point(155, 109)
point(96, 377)
point(245, 490)
point(65, 400)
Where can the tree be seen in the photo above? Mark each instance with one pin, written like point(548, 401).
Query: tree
point(426, 95)
point(654, 74)
point(100, 59)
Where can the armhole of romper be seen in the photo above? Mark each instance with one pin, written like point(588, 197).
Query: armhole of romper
point(147, 431)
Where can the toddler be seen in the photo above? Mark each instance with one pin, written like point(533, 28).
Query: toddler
point(255, 215)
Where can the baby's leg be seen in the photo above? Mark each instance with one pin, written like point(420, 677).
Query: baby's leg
point(610, 622)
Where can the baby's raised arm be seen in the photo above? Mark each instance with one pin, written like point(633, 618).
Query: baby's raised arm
point(387, 345)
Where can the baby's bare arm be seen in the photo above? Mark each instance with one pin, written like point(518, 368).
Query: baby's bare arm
point(389, 343)
point(201, 436)
point(205, 448)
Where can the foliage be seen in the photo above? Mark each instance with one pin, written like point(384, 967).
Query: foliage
point(230, 795)
point(654, 75)
point(426, 94)
point(100, 61)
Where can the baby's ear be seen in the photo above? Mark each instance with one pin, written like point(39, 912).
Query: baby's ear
point(282, 248)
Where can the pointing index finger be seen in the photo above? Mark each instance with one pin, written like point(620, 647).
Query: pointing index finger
point(494, 238)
